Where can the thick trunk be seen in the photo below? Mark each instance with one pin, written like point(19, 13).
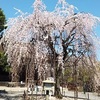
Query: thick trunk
point(57, 84)
point(57, 90)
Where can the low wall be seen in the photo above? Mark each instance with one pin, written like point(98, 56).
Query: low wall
point(12, 84)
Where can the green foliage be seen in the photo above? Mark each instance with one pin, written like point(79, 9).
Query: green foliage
point(2, 21)
point(3, 62)
point(3, 59)
point(68, 75)
point(83, 75)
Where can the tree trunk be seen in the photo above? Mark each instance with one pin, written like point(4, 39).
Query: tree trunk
point(14, 77)
point(57, 83)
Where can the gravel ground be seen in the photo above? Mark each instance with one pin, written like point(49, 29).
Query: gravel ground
point(16, 93)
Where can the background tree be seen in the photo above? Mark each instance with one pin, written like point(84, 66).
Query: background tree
point(2, 21)
point(3, 59)
point(3, 62)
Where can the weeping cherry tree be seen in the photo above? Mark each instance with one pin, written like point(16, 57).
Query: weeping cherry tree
point(43, 37)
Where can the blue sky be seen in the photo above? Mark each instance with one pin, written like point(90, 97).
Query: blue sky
point(89, 6)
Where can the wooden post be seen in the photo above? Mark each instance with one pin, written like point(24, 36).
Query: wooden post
point(88, 96)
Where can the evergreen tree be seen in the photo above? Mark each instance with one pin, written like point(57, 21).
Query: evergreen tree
point(3, 59)
point(2, 20)
point(3, 62)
